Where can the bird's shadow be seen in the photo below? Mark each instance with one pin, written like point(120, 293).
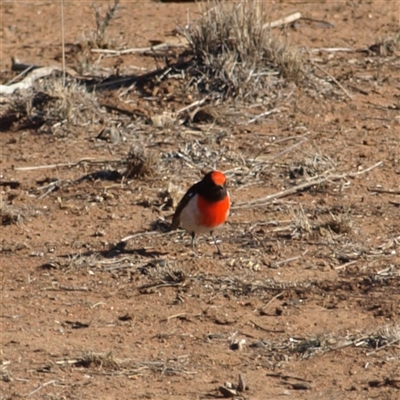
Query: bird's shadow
point(113, 252)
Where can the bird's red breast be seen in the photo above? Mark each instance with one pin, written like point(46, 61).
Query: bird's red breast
point(212, 214)
point(205, 205)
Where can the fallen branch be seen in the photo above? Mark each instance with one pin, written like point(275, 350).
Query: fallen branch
point(335, 50)
point(138, 50)
point(27, 82)
point(263, 114)
point(66, 165)
point(334, 80)
point(393, 342)
point(283, 21)
point(52, 382)
point(194, 104)
point(316, 181)
point(381, 190)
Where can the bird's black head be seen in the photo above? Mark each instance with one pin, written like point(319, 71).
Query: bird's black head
point(213, 186)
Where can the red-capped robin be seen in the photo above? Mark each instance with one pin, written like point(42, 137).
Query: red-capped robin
point(204, 207)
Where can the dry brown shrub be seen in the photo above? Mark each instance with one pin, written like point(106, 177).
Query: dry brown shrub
point(141, 163)
point(52, 108)
point(10, 214)
point(235, 53)
point(99, 360)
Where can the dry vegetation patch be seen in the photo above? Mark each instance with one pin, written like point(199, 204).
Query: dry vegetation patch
point(52, 108)
point(308, 141)
point(236, 54)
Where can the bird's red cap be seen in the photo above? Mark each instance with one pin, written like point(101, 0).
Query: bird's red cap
point(218, 178)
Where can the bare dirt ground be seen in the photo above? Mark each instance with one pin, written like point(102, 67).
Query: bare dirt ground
point(304, 304)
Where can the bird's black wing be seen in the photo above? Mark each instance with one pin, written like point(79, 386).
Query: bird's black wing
point(182, 204)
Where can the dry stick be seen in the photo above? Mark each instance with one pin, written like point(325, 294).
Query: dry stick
point(175, 316)
point(52, 382)
point(137, 49)
point(344, 266)
point(384, 347)
point(271, 300)
point(22, 73)
point(288, 260)
point(316, 181)
point(28, 81)
point(335, 50)
point(290, 148)
point(266, 329)
point(66, 165)
point(381, 190)
point(194, 104)
point(263, 114)
point(334, 80)
point(283, 21)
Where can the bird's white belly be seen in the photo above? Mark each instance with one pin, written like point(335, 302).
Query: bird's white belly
point(189, 218)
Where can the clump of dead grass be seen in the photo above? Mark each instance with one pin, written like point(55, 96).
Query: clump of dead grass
point(313, 163)
point(235, 54)
point(53, 108)
point(385, 336)
point(141, 163)
point(100, 360)
point(10, 214)
point(386, 47)
point(304, 227)
point(336, 224)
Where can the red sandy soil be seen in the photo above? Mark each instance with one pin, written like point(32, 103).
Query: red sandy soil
point(163, 322)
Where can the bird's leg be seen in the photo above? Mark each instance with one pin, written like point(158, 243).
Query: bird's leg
point(216, 244)
point(193, 242)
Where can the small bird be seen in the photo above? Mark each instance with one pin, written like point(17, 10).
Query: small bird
point(204, 207)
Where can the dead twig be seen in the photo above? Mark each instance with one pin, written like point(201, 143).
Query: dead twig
point(66, 165)
point(175, 316)
point(264, 114)
point(381, 190)
point(194, 104)
point(316, 181)
point(52, 382)
point(384, 346)
point(334, 80)
point(27, 82)
point(334, 50)
point(283, 21)
point(271, 300)
point(139, 50)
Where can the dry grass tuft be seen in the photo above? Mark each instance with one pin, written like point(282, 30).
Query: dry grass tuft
point(315, 346)
point(235, 54)
point(339, 225)
point(387, 47)
point(97, 38)
point(52, 108)
point(141, 163)
point(385, 336)
point(99, 360)
point(10, 214)
point(303, 226)
point(313, 164)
